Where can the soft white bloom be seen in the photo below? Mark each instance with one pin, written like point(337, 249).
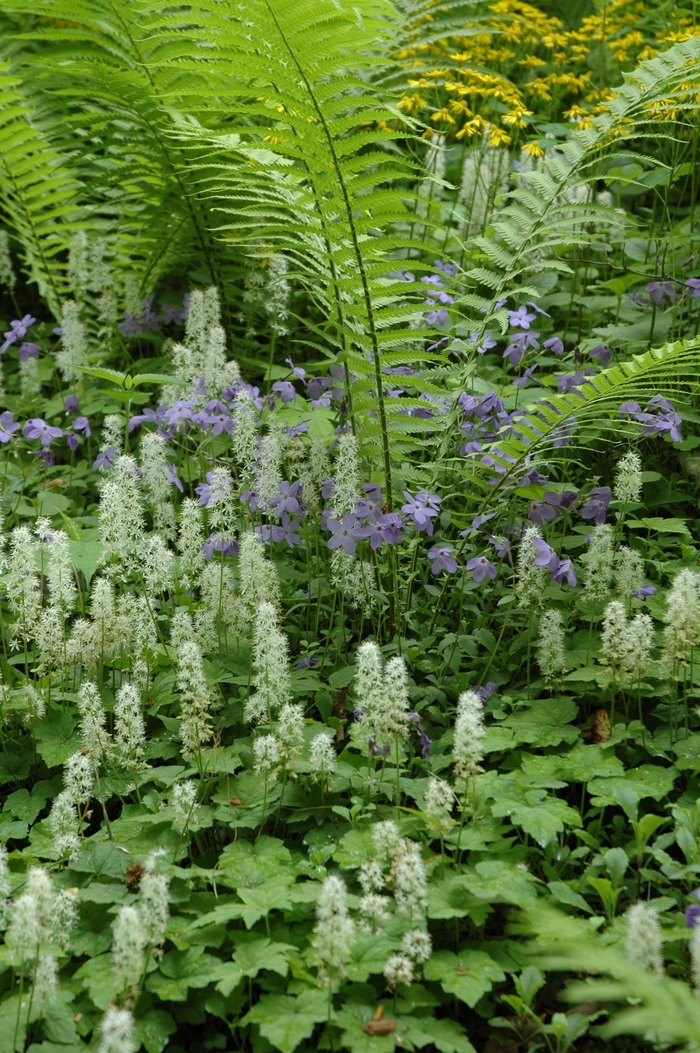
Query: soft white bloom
point(550, 645)
point(112, 432)
point(129, 726)
point(386, 837)
point(36, 704)
point(270, 667)
point(32, 917)
point(244, 440)
point(156, 564)
point(290, 733)
point(155, 468)
point(128, 947)
point(613, 640)
point(121, 510)
point(196, 701)
point(355, 578)
point(335, 932)
point(417, 945)
point(58, 567)
point(682, 617)
point(322, 756)
point(258, 575)
point(62, 918)
point(467, 749)
point(639, 642)
point(629, 572)
point(399, 969)
point(45, 980)
point(530, 579)
point(79, 777)
point(190, 542)
point(183, 799)
point(409, 881)
point(643, 938)
point(117, 1032)
point(369, 676)
point(266, 754)
point(269, 474)
point(439, 799)
point(93, 722)
point(371, 876)
point(276, 296)
point(50, 640)
point(133, 304)
point(375, 912)
point(154, 900)
point(23, 592)
point(203, 314)
point(628, 478)
point(221, 506)
point(78, 273)
point(599, 561)
point(63, 823)
point(74, 349)
point(347, 475)
point(392, 719)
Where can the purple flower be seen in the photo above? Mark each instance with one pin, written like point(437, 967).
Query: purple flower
point(420, 509)
point(48, 457)
point(181, 411)
point(692, 913)
point(149, 416)
point(285, 389)
point(219, 422)
point(287, 531)
point(307, 663)
point(252, 497)
point(489, 688)
point(487, 342)
point(172, 315)
point(547, 510)
point(384, 529)
point(18, 329)
point(71, 404)
point(106, 458)
point(546, 556)
point(204, 490)
point(555, 345)
point(298, 429)
point(73, 441)
point(82, 424)
point(130, 325)
point(28, 350)
point(597, 504)
point(521, 318)
point(564, 569)
point(601, 351)
point(373, 492)
point(345, 533)
point(8, 426)
point(501, 546)
point(36, 428)
point(657, 290)
point(694, 285)
point(644, 592)
point(215, 544)
point(481, 568)
point(442, 559)
point(527, 375)
point(174, 478)
point(286, 501)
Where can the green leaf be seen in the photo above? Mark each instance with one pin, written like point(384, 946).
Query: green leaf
point(496, 880)
point(565, 894)
point(450, 898)
point(86, 556)
point(468, 975)
point(180, 970)
point(57, 737)
point(157, 378)
point(153, 1030)
point(540, 815)
point(659, 525)
point(446, 1035)
point(97, 978)
point(647, 780)
point(545, 723)
point(103, 373)
point(286, 1020)
point(243, 863)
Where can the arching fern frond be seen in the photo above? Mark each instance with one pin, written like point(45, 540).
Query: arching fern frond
point(38, 194)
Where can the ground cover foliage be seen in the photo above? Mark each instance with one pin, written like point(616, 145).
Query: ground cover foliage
point(349, 465)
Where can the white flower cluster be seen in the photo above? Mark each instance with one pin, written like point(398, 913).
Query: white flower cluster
point(626, 644)
point(335, 931)
point(467, 750)
point(139, 928)
point(382, 697)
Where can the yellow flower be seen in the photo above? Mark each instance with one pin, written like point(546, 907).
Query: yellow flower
point(497, 137)
point(442, 115)
point(533, 149)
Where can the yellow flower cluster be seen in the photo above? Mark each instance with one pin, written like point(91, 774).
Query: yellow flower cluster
point(519, 61)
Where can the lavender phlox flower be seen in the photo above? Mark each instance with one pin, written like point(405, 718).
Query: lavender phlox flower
point(8, 426)
point(596, 506)
point(72, 440)
point(285, 389)
point(215, 544)
point(692, 914)
point(449, 269)
point(470, 447)
point(149, 319)
point(47, 456)
point(404, 371)
point(520, 318)
point(71, 404)
point(488, 689)
point(378, 751)
point(57, 331)
point(421, 509)
point(485, 344)
point(569, 383)
point(644, 592)
point(316, 386)
point(18, 330)
point(551, 506)
point(105, 458)
point(219, 422)
point(298, 429)
point(481, 568)
point(286, 531)
point(373, 491)
point(659, 289)
point(385, 529)
point(564, 569)
point(533, 477)
point(307, 663)
point(601, 351)
point(555, 345)
point(36, 428)
point(82, 424)
point(129, 325)
point(694, 285)
point(174, 478)
point(180, 412)
point(205, 490)
point(296, 370)
point(172, 315)
point(442, 558)
point(28, 350)
point(501, 545)
point(148, 416)
point(345, 533)
point(527, 375)
point(477, 523)
point(539, 310)
point(287, 499)
point(546, 556)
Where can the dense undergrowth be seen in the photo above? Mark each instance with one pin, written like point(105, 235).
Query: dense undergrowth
point(350, 494)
